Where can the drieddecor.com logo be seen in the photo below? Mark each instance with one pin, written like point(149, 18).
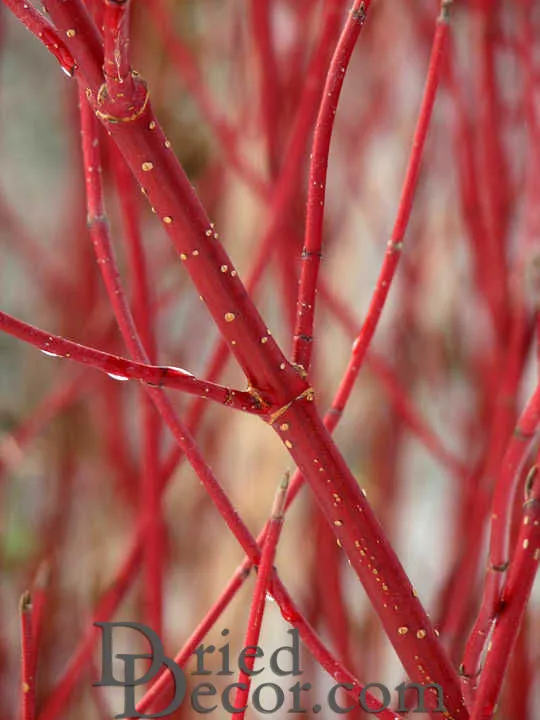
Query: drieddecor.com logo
point(267, 698)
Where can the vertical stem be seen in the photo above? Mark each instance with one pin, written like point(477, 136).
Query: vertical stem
point(256, 612)
point(311, 253)
point(154, 547)
point(513, 603)
point(28, 660)
point(395, 245)
point(117, 66)
point(502, 504)
point(261, 22)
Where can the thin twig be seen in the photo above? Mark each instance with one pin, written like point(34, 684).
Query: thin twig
point(28, 661)
point(311, 253)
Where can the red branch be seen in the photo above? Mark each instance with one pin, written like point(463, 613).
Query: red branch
point(262, 586)
point(311, 253)
point(512, 603)
point(28, 663)
point(121, 369)
point(135, 129)
point(39, 26)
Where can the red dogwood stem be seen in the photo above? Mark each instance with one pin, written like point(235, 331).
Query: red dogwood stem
point(145, 148)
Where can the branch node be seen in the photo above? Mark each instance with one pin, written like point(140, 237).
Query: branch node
point(469, 676)
point(359, 14)
point(445, 11)
point(110, 110)
point(529, 483)
point(308, 395)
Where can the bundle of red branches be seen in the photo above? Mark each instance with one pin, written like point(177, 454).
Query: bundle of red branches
point(349, 196)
